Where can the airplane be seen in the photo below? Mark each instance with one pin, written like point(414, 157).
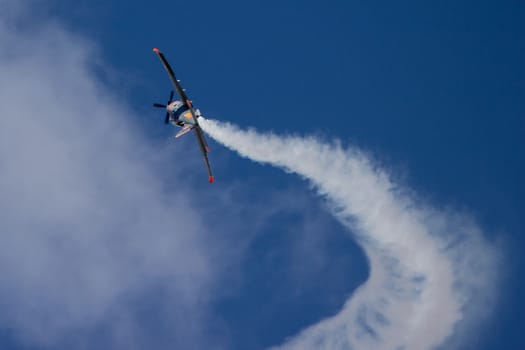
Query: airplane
point(182, 113)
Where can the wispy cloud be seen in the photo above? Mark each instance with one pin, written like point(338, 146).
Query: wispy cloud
point(95, 243)
point(430, 272)
point(87, 225)
point(102, 237)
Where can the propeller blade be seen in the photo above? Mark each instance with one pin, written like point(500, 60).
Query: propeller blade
point(158, 105)
point(167, 119)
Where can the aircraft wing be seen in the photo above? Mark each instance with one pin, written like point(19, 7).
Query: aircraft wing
point(198, 131)
point(204, 149)
point(173, 78)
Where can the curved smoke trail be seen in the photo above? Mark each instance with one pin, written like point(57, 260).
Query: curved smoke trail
point(427, 269)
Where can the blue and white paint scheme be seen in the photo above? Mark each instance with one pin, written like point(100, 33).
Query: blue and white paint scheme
point(182, 113)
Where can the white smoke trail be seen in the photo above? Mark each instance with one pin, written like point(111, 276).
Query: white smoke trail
point(422, 265)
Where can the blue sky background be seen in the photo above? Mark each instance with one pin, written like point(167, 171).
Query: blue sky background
point(435, 91)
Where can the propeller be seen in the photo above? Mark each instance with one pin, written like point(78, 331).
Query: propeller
point(159, 105)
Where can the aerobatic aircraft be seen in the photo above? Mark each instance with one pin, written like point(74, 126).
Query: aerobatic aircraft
point(182, 113)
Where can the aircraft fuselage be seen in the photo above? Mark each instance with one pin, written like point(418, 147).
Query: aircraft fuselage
point(180, 114)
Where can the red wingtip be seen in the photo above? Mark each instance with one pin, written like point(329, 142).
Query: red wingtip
point(210, 179)
point(208, 149)
point(156, 50)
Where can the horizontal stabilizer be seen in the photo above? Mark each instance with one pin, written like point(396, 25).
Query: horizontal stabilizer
point(185, 129)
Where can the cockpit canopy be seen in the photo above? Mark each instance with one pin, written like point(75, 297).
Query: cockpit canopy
point(174, 106)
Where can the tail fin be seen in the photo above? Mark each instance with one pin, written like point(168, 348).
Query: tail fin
point(185, 129)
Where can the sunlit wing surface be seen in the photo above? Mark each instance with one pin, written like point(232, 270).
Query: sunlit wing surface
point(172, 76)
point(201, 136)
point(204, 149)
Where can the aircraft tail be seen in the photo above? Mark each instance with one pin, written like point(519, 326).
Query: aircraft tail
point(185, 129)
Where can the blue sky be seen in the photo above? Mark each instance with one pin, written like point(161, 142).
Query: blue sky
point(432, 92)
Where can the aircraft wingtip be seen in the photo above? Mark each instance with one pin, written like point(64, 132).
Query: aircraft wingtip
point(210, 179)
point(156, 50)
